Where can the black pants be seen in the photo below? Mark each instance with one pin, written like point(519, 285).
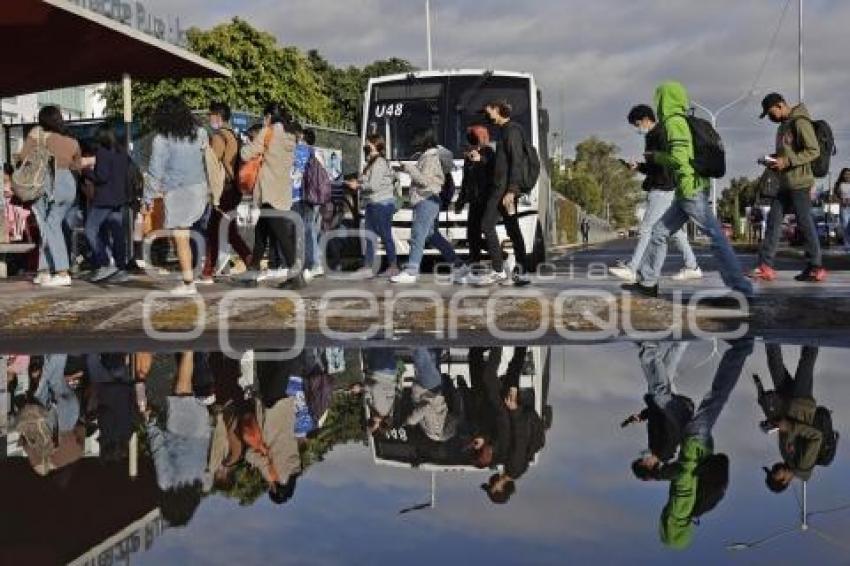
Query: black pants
point(280, 233)
point(801, 203)
point(802, 384)
point(474, 231)
point(494, 209)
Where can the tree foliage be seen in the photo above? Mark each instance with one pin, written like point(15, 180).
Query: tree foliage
point(740, 194)
point(345, 86)
point(599, 183)
point(263, 71)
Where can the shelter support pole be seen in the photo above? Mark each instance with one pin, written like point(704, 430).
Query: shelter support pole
point(127, 98)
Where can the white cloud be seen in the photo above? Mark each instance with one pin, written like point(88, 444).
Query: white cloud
point(603, 56)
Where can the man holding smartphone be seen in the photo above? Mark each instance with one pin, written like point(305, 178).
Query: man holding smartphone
point(796, 148)
point(660, 190)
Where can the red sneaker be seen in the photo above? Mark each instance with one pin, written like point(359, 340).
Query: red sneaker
point(763, 273)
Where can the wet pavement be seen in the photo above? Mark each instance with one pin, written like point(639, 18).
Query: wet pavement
point(407, 445)
point(571, 301)
point(379, 441)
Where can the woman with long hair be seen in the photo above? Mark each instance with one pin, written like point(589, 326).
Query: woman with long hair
point(51, 208)
point(177, 170)
point(377, 191)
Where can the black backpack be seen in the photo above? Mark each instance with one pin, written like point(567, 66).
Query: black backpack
point(823, 422)
point(530, 164)
point(713, 479)
point(665, 426)
point(709, 153)
point(826, 142)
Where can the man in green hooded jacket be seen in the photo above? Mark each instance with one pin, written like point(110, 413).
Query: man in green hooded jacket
point(671, 99)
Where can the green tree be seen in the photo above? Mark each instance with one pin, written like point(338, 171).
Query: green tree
point(345, 86)
point(598, 182)
point(262, 71)
point(740, 194)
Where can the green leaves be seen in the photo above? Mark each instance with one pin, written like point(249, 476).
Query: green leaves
point(599, 183)
point(263, 71)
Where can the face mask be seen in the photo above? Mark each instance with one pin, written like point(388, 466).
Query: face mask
point(642, 131)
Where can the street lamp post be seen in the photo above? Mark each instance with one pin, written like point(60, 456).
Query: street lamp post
point(803, 527)
point(714, 116)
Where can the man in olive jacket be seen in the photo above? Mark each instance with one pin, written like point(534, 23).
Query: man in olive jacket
point(691, 200)
point(796, 148)
point(799, 440)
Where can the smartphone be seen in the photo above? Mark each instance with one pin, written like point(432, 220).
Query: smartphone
point(767, 160)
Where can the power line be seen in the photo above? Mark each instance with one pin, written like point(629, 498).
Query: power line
point(771, 47)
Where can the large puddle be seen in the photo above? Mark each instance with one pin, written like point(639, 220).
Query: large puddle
point(493, 455)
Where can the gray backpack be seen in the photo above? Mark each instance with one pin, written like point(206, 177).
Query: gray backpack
point(34, 176)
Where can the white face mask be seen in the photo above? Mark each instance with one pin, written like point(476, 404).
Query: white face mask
point(643, 130)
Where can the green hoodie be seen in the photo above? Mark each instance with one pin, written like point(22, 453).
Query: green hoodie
point(676, 528)
point(796, 140)
point(671, 100)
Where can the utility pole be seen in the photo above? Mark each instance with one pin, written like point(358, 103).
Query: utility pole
point(428, 33)
point(800, 54)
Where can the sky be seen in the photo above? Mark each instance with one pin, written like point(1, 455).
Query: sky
point(579, 503)
point(593, 60)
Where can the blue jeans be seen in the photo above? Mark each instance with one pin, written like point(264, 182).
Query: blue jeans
point(728, 372)
point(55, 395)
point(379, 219)
point(310, 215)
point(53, 251)
point(105, 229)
point(424, 231)
point(657, 203)
point(425, 366)
point(660, 362)
point(697, 209)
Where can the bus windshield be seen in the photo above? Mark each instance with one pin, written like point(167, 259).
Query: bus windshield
point(445, 106)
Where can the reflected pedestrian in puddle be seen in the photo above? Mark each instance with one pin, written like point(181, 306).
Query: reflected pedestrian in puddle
point(805, 433)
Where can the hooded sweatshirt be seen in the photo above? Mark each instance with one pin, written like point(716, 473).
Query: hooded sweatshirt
point(676, 527)
point(672, 102)
point(796, 140)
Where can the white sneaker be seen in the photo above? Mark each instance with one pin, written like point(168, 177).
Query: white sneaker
point(268, 274)
point(627, 274)
point(58, 281)
point(688, 274)
point(404, 278)
point(205, 281)
point(307, 275)
point(460, 275)
point(318, 271)
point(41, 278)
point(491, 278)
point(184, 290)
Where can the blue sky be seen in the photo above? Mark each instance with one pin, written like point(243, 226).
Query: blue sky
point(598, 58)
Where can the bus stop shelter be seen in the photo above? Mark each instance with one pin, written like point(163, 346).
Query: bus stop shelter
point(51, 44)
point(55, 43)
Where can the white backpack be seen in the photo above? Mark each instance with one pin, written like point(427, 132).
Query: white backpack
point(34, 176)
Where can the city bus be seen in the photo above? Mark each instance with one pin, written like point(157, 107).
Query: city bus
point(398, 107)
point(404, 446)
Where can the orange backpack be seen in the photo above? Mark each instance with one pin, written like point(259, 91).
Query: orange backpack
point(249, 172)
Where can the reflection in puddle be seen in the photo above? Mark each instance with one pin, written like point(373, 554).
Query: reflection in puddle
point(544, 447)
